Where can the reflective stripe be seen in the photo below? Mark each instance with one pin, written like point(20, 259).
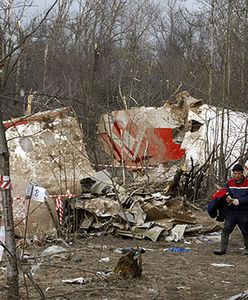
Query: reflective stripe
point(238, 188)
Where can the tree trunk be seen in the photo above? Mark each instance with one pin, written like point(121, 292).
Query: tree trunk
point(7, 213)
point(210, 88)
point(12, 270)
point(226, 93)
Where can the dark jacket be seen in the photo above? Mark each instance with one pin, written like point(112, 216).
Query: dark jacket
point(217, 205)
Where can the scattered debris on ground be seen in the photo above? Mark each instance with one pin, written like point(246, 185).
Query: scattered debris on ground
point(147, 210)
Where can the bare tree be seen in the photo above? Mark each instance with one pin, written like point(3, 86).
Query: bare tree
point(10, 56)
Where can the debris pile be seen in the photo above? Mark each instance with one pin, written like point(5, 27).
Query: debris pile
point(144, 203)
point(138, 215)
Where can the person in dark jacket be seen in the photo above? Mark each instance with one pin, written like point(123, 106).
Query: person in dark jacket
point(236, 212)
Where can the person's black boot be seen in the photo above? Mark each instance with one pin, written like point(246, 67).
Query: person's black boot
point(246, 245)
point(223, 244)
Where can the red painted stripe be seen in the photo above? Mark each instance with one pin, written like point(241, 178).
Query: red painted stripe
point(111, 146)
point(117, 128)
point(11, 124)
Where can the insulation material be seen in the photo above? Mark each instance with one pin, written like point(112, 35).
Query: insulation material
point(47, 148)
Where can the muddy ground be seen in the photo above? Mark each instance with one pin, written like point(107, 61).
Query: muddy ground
point(165, 275)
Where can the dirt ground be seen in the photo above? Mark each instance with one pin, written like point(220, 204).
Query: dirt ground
point(165, 275)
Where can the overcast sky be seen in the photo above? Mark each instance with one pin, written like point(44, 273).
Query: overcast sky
point(41, 4)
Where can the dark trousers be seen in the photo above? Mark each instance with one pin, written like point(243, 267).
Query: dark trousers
point(236, 217)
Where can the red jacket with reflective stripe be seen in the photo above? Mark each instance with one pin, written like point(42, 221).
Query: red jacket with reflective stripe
point(238, 191)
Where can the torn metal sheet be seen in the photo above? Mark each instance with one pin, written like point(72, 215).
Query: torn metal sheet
point(105, 184)
point(167, 224)
point(204, 133)
point(140, 233)
point(99, 224)
point(118, 225)
point(183, 218)
point(146, 225)
point(47, 148)
point(101, 207)
point(153, 212)
point(127, 233)
point(87, 220)
point(142, 133)
point(154, 233)
point(127, 216)
point(193, 228)
point(177, 233)
point(138, 213)
point(187, 129)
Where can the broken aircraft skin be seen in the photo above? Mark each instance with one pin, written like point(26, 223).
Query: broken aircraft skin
point(48, 148)
point(148, 136)
point(139, 134)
